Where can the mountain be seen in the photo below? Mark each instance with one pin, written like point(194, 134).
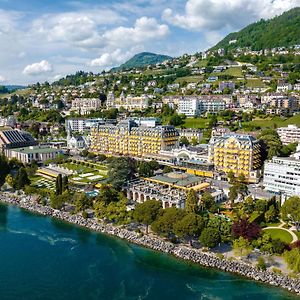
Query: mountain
point(143, 59)
point(15, 87)
point(281, 31)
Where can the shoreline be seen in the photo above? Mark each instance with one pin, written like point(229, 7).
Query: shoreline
point(205, 259)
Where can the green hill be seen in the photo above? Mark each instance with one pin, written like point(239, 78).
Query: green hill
point(143, 59)
point(281, 31)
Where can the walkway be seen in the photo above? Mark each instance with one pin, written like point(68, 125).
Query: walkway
point(293, 234)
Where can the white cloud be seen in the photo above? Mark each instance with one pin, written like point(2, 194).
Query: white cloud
point(2, 79)
point(81, 29)
point(217, 14)
point(38, 68)
point(111, 59)
point(144, 29)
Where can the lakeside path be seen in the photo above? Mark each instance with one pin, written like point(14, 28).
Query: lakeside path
point(206, 259)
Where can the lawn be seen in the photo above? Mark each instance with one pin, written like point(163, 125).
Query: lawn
point(281, 234)
point(278, 121)
point(189, 79)
point(195, 123)
point(255, 83)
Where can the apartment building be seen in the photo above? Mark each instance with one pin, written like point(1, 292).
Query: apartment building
point(195, 106)
point(84, 106)
point(82, 125)
point(128, 138)
point(282, 176)
point(191, 134)
point(289, 134)
point(236, 153)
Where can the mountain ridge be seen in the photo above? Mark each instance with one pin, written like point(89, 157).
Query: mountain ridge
point(280, 31)
point(143, 59)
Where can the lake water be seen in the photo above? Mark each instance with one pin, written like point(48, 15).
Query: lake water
point(42, 258)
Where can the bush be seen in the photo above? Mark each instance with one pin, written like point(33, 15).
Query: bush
point(210, 237)
point(261, 265)
point(84, 214)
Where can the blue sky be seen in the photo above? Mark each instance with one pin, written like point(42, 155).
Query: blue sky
point(45, 40)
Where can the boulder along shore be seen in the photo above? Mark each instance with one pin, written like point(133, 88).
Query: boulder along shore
point(206, 259)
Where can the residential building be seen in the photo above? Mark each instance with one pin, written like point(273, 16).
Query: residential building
point(15, 139)
point(240, 154)
point(128, 138)
point(284, 87)
point(289, 134)
point(82, 125)
point(76, 143)
point(32, 153)
point(131, 103)
point(192, 135)
point(226, 85)
point(84, 106)
point(282, 176)
point(189, 106)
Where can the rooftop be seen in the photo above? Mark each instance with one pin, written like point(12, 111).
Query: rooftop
point(35, 149)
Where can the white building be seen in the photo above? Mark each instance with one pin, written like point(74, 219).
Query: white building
point(32, 153)
point(76, 143)
point(284, 87)
point(189, 107)
point(282, 176)
point(289, 134)
point(81, 124)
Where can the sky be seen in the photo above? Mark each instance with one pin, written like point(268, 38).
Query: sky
point(48, 39)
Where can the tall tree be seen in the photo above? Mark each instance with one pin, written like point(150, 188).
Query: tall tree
point(191, 204)
point(290, 210)
point(147, 212)
point(21, 179)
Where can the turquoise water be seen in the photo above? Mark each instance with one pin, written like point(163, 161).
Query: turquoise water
point(42, 258)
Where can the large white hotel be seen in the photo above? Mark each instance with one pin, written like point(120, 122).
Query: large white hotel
point(282, 176)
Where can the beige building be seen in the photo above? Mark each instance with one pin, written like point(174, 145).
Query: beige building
point(127, 138)
point(236, 153)
point(84, 106)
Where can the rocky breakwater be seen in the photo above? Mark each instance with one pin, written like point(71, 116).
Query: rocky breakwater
point(206, 259)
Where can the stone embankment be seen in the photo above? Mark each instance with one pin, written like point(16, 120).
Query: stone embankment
point(206, 259)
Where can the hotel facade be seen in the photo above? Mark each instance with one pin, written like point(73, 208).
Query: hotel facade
point(236, 153)
point(128, 138)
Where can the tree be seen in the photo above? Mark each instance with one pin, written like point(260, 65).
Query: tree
point(184, 141)
point(207, 201)
point(65, 183)
point(154, 165)
point(271, 214)
point(271, 144)
point(231, 177)
point(167, 169)
point(9, 180)
point(292, 258)
point(233, 194)
point(290, 210)
point(21, 179)
point(56, 201)
point(108, 194)
point(120, 170)
point(58, 185)
point(191, 204)
point(190, 225)
point(242, 246)
point(83, 202)
point(209, 237)
point(145, 169)
point(147, 212)
point(165, 223)
point(261, 264)
point(245, 229)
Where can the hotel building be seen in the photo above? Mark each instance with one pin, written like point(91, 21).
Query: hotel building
point(236, 153)
point(128, 138)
